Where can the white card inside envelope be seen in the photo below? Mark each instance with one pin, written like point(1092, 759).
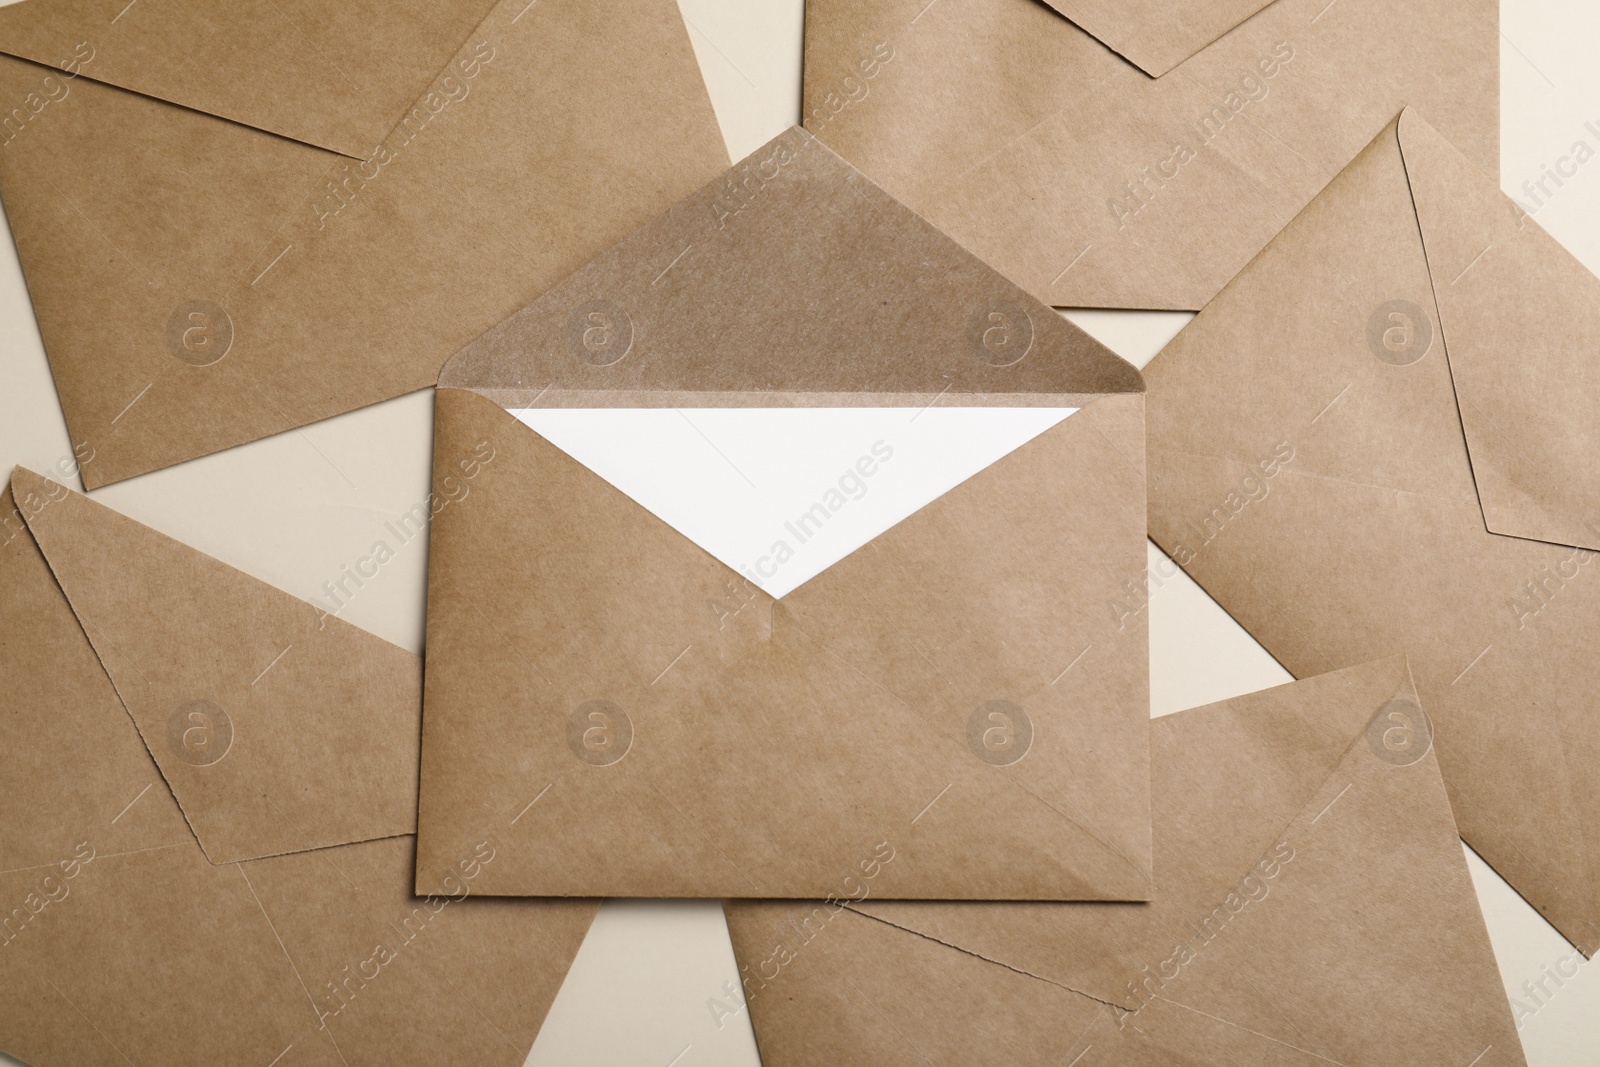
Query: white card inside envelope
point(781, 494)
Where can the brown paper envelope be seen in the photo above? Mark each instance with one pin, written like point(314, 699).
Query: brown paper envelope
point(200, 282)
point(643, 720)
point(1093, 184)
point(335, 76)
point(278, 726)
point(1520, 318)
point(120, 942)
point(1307, 871)
point(1311, 471)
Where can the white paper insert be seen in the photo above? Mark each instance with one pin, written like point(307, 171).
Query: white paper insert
point(781, 494)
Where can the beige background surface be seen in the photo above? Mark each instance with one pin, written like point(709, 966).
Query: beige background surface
point(296, 508)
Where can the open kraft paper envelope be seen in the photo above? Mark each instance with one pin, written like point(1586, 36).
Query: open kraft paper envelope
point(642, 719)
point(1313, 907)
point(1380, 437)
point(1095, 180)
point(277, 925)
point(239, 218)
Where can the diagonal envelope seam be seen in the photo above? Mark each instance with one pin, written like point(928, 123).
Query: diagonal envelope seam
point(1398, 130)
point(339, 158)
point(986, 959)
point(334, 289)
point(1127, 45)
point(980, 99)
point(1429, 252)
point(1398, 788)
point(296, 917)
point(1086, 825)
point(322, 144)
point(1411, 140)
point(209, 852)
point(100, 659)
point(1407, 688)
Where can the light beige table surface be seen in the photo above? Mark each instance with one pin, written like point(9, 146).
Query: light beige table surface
point(294, 509)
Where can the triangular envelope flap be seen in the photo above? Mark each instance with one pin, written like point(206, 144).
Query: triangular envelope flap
point(338, 76)
point(1337, 321)
point(210, 257)
point(1225, 780)
point(114, 915)
point(1366, 891)
point(278, 727)
point(94, 851)
point(792, 280)
point(1521, 323)
point(49, 674)
point(1363, 889)
point(1157, 35)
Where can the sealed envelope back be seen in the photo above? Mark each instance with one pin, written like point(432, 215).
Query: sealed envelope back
point(208, 269)
point(1134, 154)
point(259, 67)
point(120, 942)
point(1353, 450)
point(279, 727)
point(1307, 867)
point(643, 719)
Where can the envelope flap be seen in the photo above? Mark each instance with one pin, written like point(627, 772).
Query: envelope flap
point(277, 727)
point(339, 76)
point(1366, 891)
point(1521, 323)
point(1225, 780)
point(1157, 35)
point(792, 280)
point(49, 673)
point(1293, 958)
point(116, 926)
